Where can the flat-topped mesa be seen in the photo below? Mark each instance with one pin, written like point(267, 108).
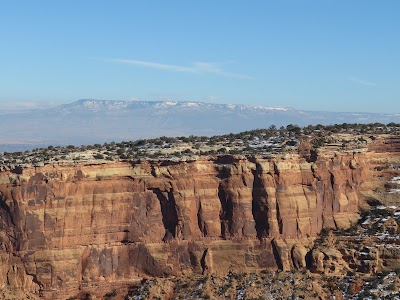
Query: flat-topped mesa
point(65, 228)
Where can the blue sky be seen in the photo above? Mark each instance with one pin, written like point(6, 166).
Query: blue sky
point(312, 55)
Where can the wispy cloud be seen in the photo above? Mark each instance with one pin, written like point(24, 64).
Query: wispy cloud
point(194, 68)
point(361, 81)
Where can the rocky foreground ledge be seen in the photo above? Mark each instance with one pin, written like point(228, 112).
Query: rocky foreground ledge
point(70, 229)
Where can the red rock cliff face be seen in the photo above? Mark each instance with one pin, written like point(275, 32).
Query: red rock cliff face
point(70, 228)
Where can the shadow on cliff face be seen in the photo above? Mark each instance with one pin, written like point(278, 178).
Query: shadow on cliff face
point(6, 212)
point(226, 212)
point(10, 243)
point(277, 255)
point(259, 206)
point(8, 240)
point(169, 213)
point(9, 223)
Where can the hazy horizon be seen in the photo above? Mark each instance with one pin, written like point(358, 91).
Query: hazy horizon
point(33, 105)
point(90, 121)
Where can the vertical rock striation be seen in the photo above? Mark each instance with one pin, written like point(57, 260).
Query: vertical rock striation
point(70, 228)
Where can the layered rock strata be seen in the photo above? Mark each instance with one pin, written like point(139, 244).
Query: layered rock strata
point(65, 229)
point(383, 144)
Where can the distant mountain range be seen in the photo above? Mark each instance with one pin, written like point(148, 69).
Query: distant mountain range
point(98, 121)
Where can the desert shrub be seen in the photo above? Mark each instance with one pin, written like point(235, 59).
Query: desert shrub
point(98, 156)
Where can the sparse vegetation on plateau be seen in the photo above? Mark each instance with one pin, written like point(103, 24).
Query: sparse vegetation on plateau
point(264, 142)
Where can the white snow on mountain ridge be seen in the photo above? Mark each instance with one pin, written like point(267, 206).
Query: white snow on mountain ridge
point(112, 105)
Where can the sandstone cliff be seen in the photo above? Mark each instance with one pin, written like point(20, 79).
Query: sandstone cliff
point(65, 229)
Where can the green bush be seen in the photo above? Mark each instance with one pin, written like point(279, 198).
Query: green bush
point(98, 156)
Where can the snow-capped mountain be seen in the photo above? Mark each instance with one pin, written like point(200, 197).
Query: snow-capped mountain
point(97, 121)
point(118, 105)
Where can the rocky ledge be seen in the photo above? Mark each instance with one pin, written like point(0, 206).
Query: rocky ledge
point(71, 229)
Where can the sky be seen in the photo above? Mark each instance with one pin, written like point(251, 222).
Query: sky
point(320, 55)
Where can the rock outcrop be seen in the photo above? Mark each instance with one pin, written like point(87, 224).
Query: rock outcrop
point(382, 144)
point(65, 229)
